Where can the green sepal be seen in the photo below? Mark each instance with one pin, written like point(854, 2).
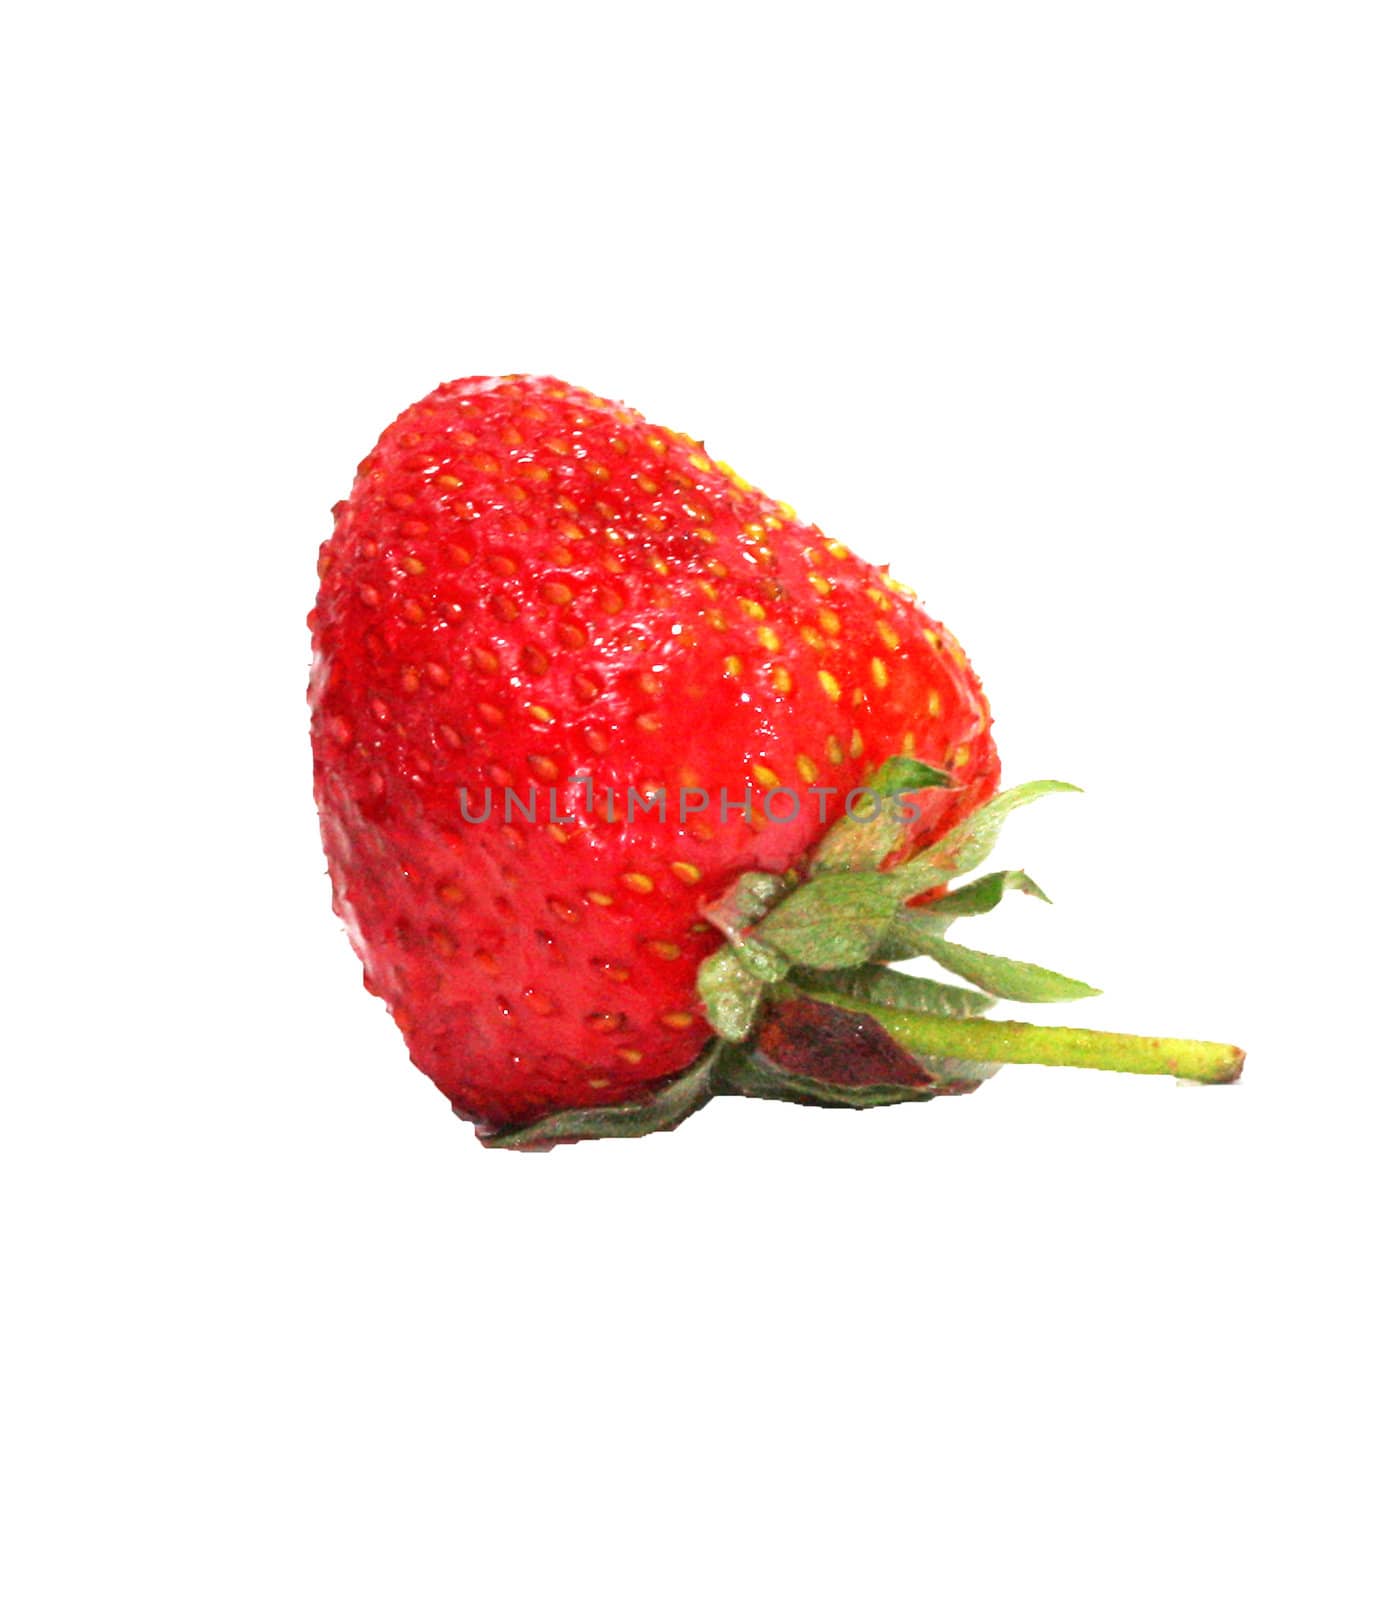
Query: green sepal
point(972, 900)
point(812, 1050)
point(998, 975)
point(668, 1106)
point(836, 920)
point(885, 987)
point(730, 992)
point(752, 1075)
point(883, 819)
point(968, 843)
point(765, 963)
point(747, 900)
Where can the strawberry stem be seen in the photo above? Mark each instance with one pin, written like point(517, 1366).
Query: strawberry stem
point(984, 1039)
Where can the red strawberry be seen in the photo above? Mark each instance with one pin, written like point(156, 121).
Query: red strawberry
point(530, 585)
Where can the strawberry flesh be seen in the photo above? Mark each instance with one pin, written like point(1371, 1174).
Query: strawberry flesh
point(529, 585)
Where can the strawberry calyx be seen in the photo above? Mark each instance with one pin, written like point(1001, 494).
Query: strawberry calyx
point(806, 1005)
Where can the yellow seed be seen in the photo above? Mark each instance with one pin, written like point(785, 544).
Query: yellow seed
point(751, 608)
point(889, 636)
point(835, 751)
point(807, 768)
point(700, 462)
point(907, 744)
point(600, 1083)
point(813, 637)
point(413, 565)
point(598, 897)
point(829, 621)
point(541, 714)
point(781, 680)
point(962, 756)
point(765, 775)
point(820, 583)
point(733, 666)
point(767, 637)
point(879, 672)
point(787, 511)
point(633, 1057)
point(640, 882)
point(557, 594)
point(664, 949)
point(686, 871)
point(934, 703)
point(677, 1019)
point(837, 550)
point(830, 685)
point(560, 835)
point(544, 769)
point(856, 744)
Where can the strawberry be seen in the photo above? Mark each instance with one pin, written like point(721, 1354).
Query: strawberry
point(586, 711)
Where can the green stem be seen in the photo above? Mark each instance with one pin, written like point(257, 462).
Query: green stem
point(983, 1039)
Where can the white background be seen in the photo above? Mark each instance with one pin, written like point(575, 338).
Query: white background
point(1061, 309)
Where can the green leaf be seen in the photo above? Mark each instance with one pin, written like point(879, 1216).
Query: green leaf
point(836, 920)
point(884, 987)
point(863, 841)
point(730, 993)
point(670, 1105)
point(968, 843)
point(1011, 980)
